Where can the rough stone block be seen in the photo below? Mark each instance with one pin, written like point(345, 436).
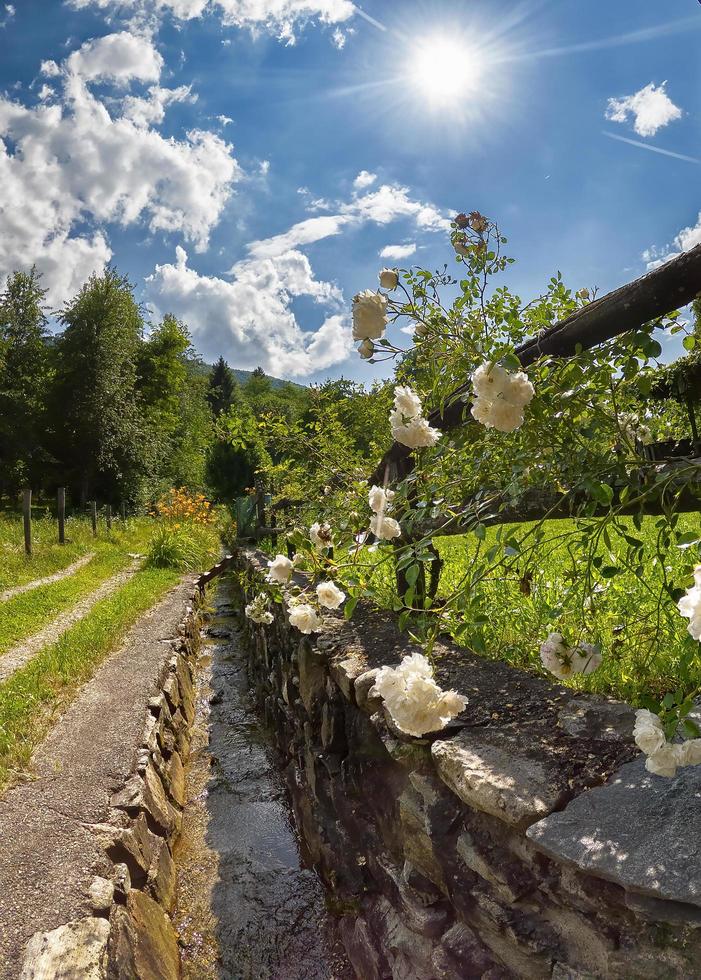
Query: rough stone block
point(76, 951)
point(491, 771)
point(143, 944)
point(639, 831)
point(101, 895)
point(161, 882)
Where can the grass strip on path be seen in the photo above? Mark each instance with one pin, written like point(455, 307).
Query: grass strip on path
point(27, 613)
point(48, 579)
point(49, 681)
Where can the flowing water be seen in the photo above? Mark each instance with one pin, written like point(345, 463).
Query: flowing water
point(249, 908)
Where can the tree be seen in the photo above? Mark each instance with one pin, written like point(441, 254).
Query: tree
point(24, 377)
point(100, 434)
point(222, 385)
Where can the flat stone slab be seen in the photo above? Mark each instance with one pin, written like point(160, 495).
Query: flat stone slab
point(642, 832)
point(48, 853)
point(497, 772)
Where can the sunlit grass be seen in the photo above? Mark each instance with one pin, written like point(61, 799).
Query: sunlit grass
point(32, 696)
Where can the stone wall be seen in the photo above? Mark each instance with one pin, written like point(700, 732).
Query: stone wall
point(130, 934)
point(526, 840)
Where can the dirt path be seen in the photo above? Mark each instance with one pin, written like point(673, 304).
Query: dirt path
point(63, 573)
point(48, 852)
point(20, 654)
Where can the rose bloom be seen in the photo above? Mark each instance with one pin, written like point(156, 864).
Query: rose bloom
point(416, 704)
point(369, 315)
point(389, 278)
point(648, 732)
point(586, 658)
point(407, 402)
point(415, 434)
point(478, 222)
point(689, 752)
point(366, 349)
point(305, 618)
point(490, 380)
point(329, 595)
point(504, 417)
point(555, 656)
point(461, 248)
point(519, 390)
point(380, 499)
point(664, 761)
point(281, 569)
point(321, 536)
point(690, 605)
point(385, 528)
point(258, 611)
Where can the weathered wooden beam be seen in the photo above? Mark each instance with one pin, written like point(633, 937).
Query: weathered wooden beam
point(661, 291)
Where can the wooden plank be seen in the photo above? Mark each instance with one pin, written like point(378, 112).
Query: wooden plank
point(27, 517)
point(93, 517)
point(661, 291)
point(108, 516)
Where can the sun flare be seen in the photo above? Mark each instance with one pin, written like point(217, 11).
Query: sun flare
point(444, 67)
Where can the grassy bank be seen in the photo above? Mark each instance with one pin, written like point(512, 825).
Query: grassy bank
point(17, 568)
point(31, 697)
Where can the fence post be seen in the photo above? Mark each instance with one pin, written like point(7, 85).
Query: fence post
point(61, 512)
point(108, 515)
point(124, 511)
point(93, 517)
point(27, 514)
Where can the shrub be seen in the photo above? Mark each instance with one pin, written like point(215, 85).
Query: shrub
point(185, 547)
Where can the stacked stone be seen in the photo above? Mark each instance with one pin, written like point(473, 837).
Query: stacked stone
point(442, 855)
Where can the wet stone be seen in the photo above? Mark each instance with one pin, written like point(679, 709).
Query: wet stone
point(76, 951)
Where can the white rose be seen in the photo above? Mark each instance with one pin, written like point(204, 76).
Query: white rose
point(461, 248)
point(389, 278)
point(369, 315)
point(586, 658)
point(366, 349)
point(257, 610)
point(385, 528)
point(689, 752)
point(490, 380)
point(519, 390)
point(421, 330)
point(648, 732)
point(281, 569)
point(556, 656)
point(305, 618)
point(415, 702)
point(329, 595)
point(664, 761)
point(481, 410)
point(505, 417)
point(321, 536)
point(380, 499)
point(407, 402)
point(690, 605)
point(415, 434)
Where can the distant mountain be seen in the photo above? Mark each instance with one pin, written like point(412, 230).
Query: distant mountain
point(201, 367)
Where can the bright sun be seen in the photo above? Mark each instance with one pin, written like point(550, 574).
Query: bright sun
point(445, 68)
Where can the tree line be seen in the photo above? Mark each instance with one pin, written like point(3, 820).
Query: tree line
point(119, 409)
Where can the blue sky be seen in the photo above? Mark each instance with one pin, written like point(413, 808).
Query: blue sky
point(211, 149)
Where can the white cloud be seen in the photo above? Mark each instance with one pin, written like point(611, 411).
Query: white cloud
point(279, 17)
point(119, 58)
point(687, 238)
point(72, 166)
point(651, 109)
point(224, 120)
point(398, 252)
point(248, 317)
point(303, 233)
point(364, 179)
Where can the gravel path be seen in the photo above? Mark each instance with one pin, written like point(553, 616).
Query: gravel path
point(48, 853)
point(63, 573)
point(20, 654)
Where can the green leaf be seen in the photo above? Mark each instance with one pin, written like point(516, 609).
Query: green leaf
point(349, 607)
point(689, 343)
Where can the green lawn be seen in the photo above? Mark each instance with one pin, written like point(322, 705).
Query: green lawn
point(48, 555)
point(647, 650)
point(30, 698)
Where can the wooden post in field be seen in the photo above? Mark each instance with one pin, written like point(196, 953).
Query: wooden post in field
point(27, 513)
point(61, 512)
point(108, 515)
point(124, 511)
point(93, 517)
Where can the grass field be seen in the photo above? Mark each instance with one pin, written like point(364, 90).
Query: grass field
point(647, 650)
point(32, 696)
point(49, 556)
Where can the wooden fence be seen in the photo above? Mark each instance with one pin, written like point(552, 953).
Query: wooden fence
point(662, 291)
point(61, 517)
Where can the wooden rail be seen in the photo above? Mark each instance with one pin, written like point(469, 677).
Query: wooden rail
point(661, 291)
